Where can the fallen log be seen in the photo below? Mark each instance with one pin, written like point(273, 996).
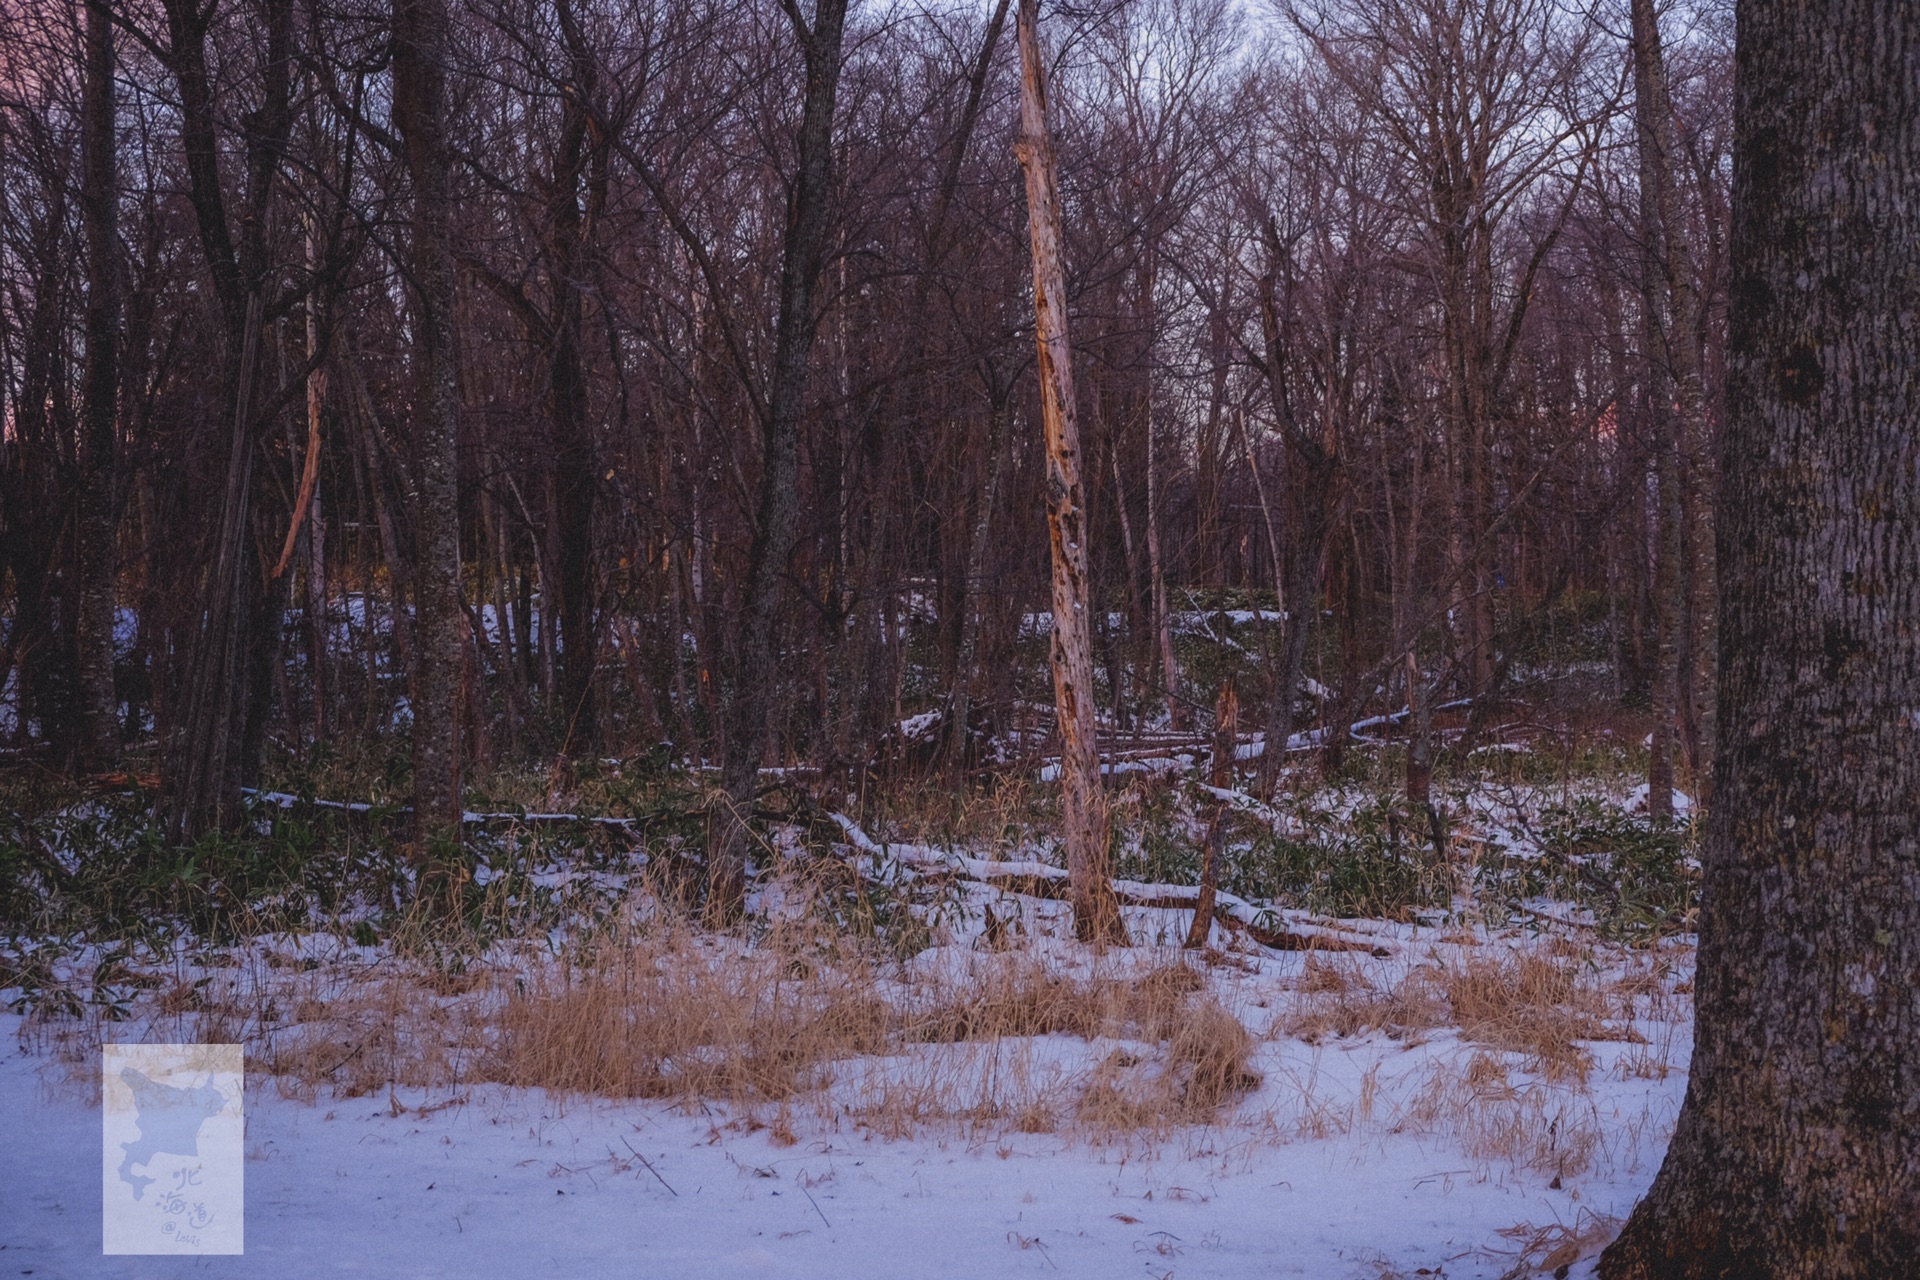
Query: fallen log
point(1038, 880)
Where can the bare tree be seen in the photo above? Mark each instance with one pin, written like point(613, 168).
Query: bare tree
point(221, 724)
point(753, 667)
point(99, 498)
point(1096, 911)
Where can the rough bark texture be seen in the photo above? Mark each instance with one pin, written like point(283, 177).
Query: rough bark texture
point(100, 198)
point(1096, 913)
point(419, 83)
point(1797, 1152)
point(755, 651)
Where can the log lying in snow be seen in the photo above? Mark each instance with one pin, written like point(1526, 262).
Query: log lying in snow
point(283, 800)
point(1172, 753)
point(1038, 880)
point(1034, 879)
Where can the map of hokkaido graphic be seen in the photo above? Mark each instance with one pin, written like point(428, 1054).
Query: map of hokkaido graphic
point(170, 1121)
point(173, 1143)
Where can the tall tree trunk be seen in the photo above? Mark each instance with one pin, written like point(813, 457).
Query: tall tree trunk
point(752, 672)
point(1156, 569)
point(1669, 598)
point(1795, 1153)
point(1308, 506)
point(1657, 340)
point(1096, 911)
point(575, 461)
point(99, 506)
point(419, 97)
point(972, 604)
point(1672, 300)
point(203, 785)
point(217, 730)
point(316, 606)
point(1148, 320)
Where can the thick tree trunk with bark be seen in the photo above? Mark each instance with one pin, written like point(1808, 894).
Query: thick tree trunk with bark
point(419, 93)
point(1096, 912)
point(752, 674)
point(1797, 1152)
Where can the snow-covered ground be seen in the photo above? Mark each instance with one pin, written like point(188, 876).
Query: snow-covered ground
point(1331, 1169)
point(1395, 1131)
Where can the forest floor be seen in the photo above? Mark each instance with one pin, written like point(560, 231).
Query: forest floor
point(1388, 1060)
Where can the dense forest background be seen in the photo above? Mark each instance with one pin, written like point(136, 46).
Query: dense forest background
point(1398, 322)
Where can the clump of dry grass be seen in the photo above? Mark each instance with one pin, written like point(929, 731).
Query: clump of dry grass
point(1554, 1248)
point(1204, 1068)
point(1020, 996)
point(797, 1020)
point(1539, 1004)
point(673, 1018)
point(1532, 1005)
point(1532, 1125)
point(1341, 998)
point(667, 1018)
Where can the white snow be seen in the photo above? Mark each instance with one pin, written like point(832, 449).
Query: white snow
point(516, 1183)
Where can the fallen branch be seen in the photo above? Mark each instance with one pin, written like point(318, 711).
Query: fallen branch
point(1039, 880)
point(283, 800)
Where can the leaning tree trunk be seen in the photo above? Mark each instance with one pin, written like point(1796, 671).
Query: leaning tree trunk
point(1096, 912)
point(1797, 1152)
point(419, 91)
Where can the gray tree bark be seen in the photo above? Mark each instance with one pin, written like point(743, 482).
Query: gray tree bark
point(1676, 400)
point(1797, 1151)
point(419, 93)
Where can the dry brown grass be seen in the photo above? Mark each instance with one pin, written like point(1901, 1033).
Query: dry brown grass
point(800, 1032)
point(1343, 996)
point(1540, 1004)
point(1552, 1249)
point(1553, 1131)
point(796, 1022)
point(1533, 1005)
point(680, 1020)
